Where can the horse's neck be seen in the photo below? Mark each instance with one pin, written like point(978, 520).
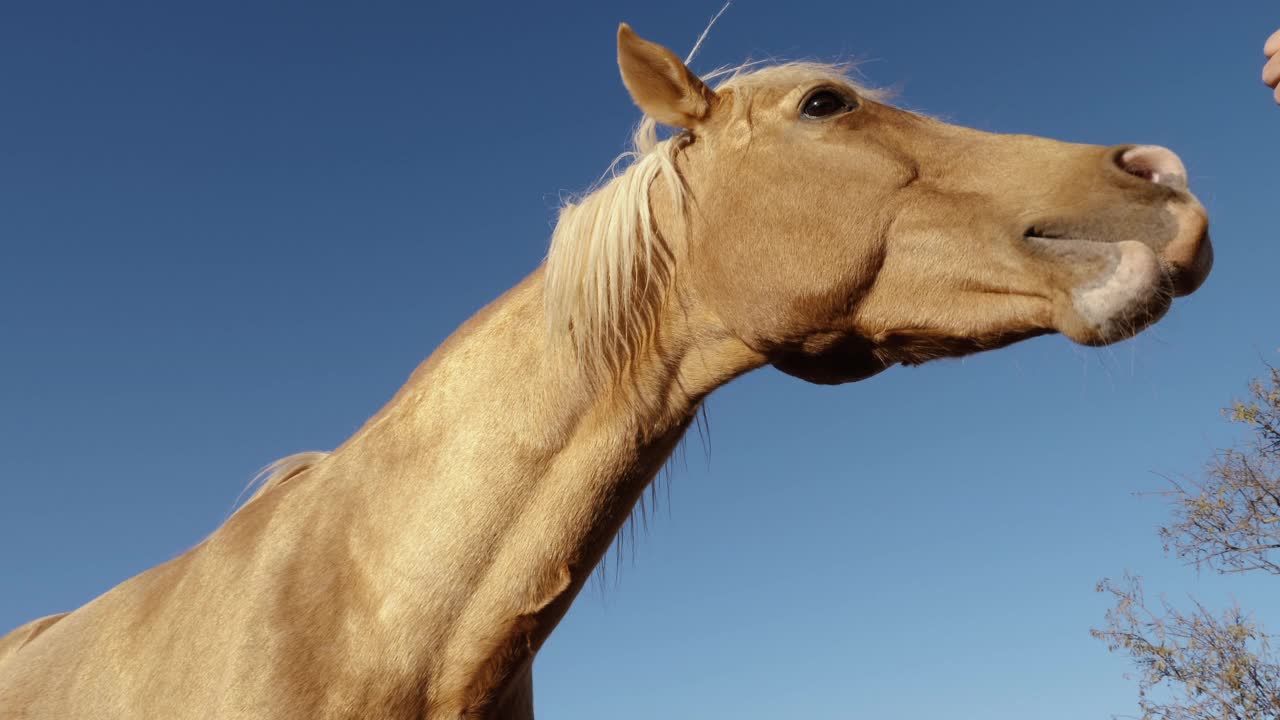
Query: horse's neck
point(489, 488)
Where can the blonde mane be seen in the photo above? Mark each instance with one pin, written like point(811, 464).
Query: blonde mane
point(609, 270)
point(280, 471)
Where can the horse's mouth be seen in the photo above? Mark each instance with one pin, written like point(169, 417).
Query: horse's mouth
point(1058, 233)
point(1036, 232)
point(1177, 232)
point(1080, 252)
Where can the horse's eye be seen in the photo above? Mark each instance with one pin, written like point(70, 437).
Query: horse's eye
point(825, 103)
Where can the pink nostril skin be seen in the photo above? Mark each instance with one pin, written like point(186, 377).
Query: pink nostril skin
point(1157, 164)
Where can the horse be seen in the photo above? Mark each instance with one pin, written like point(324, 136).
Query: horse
point(790, 218)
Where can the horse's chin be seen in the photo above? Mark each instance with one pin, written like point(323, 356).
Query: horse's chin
point(1129, 295)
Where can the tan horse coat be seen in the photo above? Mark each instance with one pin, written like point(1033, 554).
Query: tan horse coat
point(795, 221)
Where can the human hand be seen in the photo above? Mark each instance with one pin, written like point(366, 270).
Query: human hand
point(1271, 71)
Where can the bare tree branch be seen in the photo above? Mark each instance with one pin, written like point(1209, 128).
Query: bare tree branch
point(1194, 665)
point(1197, 665)
point(1230, 519)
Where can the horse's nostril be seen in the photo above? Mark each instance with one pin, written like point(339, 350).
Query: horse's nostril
point(1157, 164)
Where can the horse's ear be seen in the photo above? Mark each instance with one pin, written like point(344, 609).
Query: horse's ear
point(660, 84)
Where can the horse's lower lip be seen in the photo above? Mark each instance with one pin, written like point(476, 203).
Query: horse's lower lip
point(1059, 239)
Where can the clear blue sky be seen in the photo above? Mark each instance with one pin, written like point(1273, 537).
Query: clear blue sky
point(231, 230)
